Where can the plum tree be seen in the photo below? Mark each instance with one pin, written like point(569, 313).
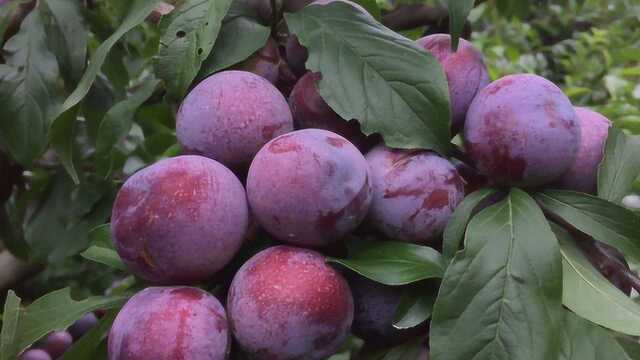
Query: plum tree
point(414, 193)
point(230, 115)
point(465, 71)
point(309, 187)
point(56, 343)
point(264, 62)
point(35, 354)
point(583, 174)
point(179, 220)
point(309, 110)
point(83, 325)
point(375, 307)
point(522, 130)
point(287, 303)
point(168, 323)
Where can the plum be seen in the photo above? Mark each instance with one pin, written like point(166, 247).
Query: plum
point(309, 110)
point(264, 62)
point(180, 220)
point(414, 193)
point(583, 174)
point(287, 303)
point(521, 130)
point(375, 306)
point(309, 187)
point(465, 70)
point(35, 354)
point(56, 343)
point(83, 325)
point(230, 115)
point(168, 323)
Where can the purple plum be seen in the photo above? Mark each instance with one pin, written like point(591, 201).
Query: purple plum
point(583, 174)
point(180, 220)
point(309, 110)
point(414, 193)
point(56, 343)
point(309, 187)
point(521, 130)
point(230, 115)
point(35, 354)
point(83, 325)
point(286, 303)
point(169, 323)
point(465, 70)
point(264, 62)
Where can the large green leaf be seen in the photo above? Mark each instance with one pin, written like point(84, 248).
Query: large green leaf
point(395, 263)
point(501, 297)
point(376, 76)
point(55, 311)
point(415, 307)
point(10, 319)
point(85, 348)
point(582, 340)
point(604, 221)
point(188, 35)
point(239, 37)
point(590, 295)
point(620, 166)
point(456, 227)
point(458, 12)
point(28, 91)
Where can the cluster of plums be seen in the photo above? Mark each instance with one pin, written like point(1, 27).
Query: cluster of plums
point(306, 182)
point(54, 345)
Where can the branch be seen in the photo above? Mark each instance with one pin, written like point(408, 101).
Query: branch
point(14, 270)
point(407, 17)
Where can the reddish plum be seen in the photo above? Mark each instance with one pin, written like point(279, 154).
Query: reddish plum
point(465, 70)
point(169, 323)
point(309, 187)
point(309, 110)
point(521, 130)
point(230, 115)
point(35, 354)
point(56, 343)
point(286, 303)
point(414, 193)
point(583, 174)
point(180, 220)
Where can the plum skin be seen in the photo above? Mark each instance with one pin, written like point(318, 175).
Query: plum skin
point(35, 354)
point(179, 220)
point(309, 187)
point(414, 193)
point(309, 110)
point(83, 325)
point(521, 130)
point(57, 342)
point(583, 174)
point(465, 71)
point(167, 323)
point(286, 303)
point(230, 115)
point(265, 62)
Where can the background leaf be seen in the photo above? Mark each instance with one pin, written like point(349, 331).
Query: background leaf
point(458, 12)
point(61, 136)
point(376, 76)
point(501, 297)
point(101, 249)
point(620, 166)
point(415, 307)
point(10, 319)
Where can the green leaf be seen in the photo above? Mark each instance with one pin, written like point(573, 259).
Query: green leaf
point(395, 263)
point(240, 36)
point(590, 295)
point(415, 307)
point(458, 13)
point(410, 350)
point(501, 297)
point(28, 92)
point(454, 232)
point(188, 35)
point(56, 311)
point(620, 166)
point(376, 76)
point(67, 36)
point(137, 13)
point(372, 8)
point(61, 136)
point(101, 236)
point(582, 340)
point(86, 346)
point(10, 319)
point(117, 121)
point(101, 249)
point(604, 221)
